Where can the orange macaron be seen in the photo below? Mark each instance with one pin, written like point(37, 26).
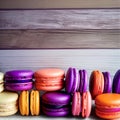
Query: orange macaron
point(51, 79)
point(107, 106)
point(29, 102)
point(96, 83)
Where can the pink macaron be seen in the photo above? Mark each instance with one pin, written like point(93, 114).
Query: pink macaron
point(81, 104)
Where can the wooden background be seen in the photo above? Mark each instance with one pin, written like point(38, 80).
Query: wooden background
point(76, 29)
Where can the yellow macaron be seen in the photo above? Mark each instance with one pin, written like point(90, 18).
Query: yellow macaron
point(34, 102)
point(29, 102)
point(24, 103)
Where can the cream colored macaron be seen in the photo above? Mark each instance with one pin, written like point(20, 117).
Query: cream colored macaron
point(1, 82)
point(8, 103)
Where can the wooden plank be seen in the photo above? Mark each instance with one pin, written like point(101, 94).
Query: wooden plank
point(79, 19)
point(30, 4)
point(89, 59)
point(41, 39)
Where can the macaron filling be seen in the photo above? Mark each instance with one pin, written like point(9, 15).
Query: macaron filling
point(55, 106)
point(108, 110)
point(83, 81)
point(18, 81)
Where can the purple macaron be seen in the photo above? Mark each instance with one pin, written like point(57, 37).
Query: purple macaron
point(116, 82)
point(107, 82)
point(83, 80)
point(56, 104)
point(72, 80)
point(18, 80)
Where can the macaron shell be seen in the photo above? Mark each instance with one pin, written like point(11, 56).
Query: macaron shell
point(56, 98)
point(86, 104)
point(34, 102)
point(76, 104)
point(19, 75)
point(49, 72)
point(108, 99)
point(18, 86)
point(110, 116)
point(107, 82)
point(116, 82)
point(8, 113)
point(72, 80)
point(8, 97)
point(49, 85)
point(48, 88)
point(96, 83)
point(24, 103)
point(69, 80)
point(56, 112)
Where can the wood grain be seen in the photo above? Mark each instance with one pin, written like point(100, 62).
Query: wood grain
point(41, 39)
point(30, 4)
point(89, 59)
point(79, 19)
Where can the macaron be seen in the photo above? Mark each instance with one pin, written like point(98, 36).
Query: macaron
point(107, 82)
point(35, 102)
point(107, 106)
point(116, 82)
point(24, 103)
point(8, 103)
point(50, 79)
point(1, 82)
point(96, 83)
point(83, 81)
point(56, 104)
point(81, 104)
point(72, 80)
point(29, 102)
point(18, 80)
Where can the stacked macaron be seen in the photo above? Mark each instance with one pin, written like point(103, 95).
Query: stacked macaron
point(76, 84)
point(22, 81)
point(107, 105)
point(64, 94)
point(55, 102)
